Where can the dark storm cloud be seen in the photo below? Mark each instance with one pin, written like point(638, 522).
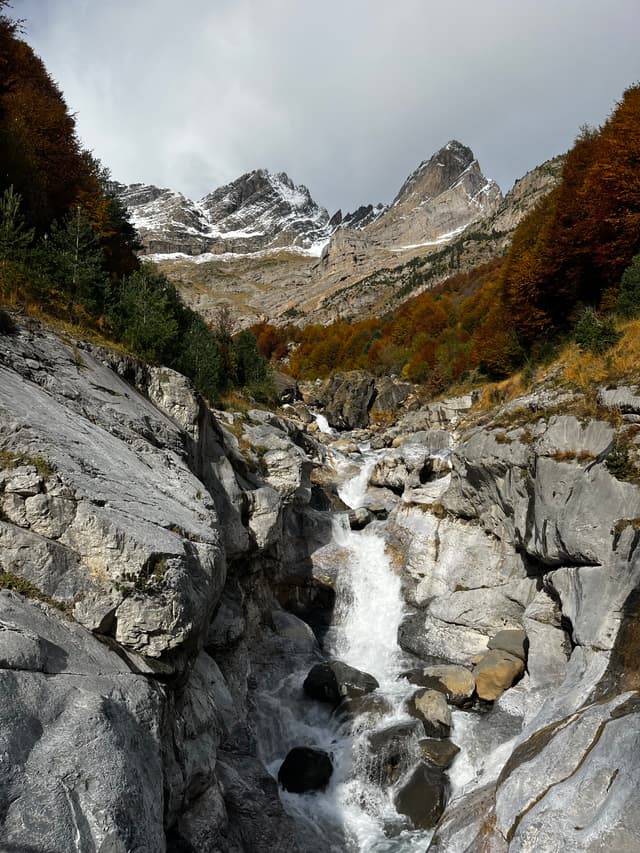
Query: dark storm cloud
point(347, 97)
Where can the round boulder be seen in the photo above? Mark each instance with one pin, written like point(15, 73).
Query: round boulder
point(372, 704)
point(495, 673)
point(456, 682)
point(334, 681)
point(305, 769)
point(431, 707)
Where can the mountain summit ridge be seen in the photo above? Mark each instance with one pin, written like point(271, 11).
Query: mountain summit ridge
point(262, 209)
point(258, 210)
point(263, 247)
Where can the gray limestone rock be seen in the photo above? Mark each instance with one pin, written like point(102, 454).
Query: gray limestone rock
point(513, 641)
point(81, 737)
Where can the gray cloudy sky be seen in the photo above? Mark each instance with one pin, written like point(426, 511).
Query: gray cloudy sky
point(347, 96)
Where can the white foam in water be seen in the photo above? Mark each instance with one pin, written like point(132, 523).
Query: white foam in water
point(353, 491)
point(486, 742)
point(323, 424)
point(370, 607)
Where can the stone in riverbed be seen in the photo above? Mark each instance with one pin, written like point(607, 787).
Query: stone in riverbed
point(392, 751)
point(438, 752)
point(495, 673)
point(513, 641)
point(422, 796)
point(372, 704)
point(359, 518)
point(334, 681)
point(305, 769)
point(456, 682)
point(431, 707)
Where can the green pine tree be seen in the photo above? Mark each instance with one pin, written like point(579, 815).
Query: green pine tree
point(73, 261)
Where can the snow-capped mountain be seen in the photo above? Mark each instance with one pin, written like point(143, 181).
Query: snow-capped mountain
point(262, 245)
point(258, 211)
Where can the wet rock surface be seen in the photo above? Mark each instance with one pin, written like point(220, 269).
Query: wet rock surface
point(305, 769)
point(430, 706)
point(422, 796)
point(334, 681)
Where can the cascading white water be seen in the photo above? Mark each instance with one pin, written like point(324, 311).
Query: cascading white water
point(323, 424)
point(369, 609)
point(354, 812)
point(353, 491)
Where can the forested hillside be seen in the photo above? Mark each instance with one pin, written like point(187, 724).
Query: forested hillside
point(67, 248)
point(563, 275)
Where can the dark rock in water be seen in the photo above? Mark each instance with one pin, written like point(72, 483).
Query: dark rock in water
point(359, 518)
point(382, 739)
point(422, 796)
point(393, 751)
point(305, 769)
point(412, 636)
point(438, 752)
point(334, 681)
point(372, 704)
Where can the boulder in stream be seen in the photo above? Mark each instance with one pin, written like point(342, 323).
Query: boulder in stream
point(438, 752)
point(455, 681)
point(334, 681)
point(431, 707)
point(496, 672)
point(305, 769)
point(422, 796)
point(392, 751)
point(360, 517)
point(373, 705)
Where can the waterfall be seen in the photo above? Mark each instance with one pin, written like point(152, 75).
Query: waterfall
point(355, 812)
point(323, 424)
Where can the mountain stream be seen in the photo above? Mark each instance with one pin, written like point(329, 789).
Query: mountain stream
point(356, 811)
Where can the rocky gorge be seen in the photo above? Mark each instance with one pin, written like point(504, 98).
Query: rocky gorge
point(462, 581)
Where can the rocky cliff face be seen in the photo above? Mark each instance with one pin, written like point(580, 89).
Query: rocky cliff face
point(386, 287)
point(525, 531)
point(256, 212)
point(140, 538)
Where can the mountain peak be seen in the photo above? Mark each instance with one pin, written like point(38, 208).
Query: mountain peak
point(439, 173)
